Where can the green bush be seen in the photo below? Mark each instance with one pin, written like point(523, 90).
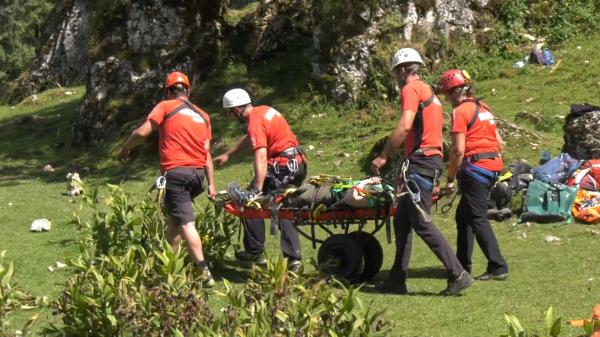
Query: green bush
point(12, 298)
point(129, 281)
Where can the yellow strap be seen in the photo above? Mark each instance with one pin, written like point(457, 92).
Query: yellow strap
point(505, 176)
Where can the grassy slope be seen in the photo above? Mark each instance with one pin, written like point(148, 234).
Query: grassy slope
point(566, 276)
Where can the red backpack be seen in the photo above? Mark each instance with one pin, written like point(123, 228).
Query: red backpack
point(587, 176)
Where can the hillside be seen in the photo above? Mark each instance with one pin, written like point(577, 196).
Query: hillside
point(33, 134)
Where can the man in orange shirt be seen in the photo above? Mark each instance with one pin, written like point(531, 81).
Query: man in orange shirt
point(420, 130)
point(185, 161)
point(278, 161)
point(476, 146)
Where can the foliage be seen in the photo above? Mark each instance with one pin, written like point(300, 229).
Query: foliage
point(21, 33)
point(128, 280)
point(275, 303)
point(12, 298)
point(515, 329)
point(217, 230)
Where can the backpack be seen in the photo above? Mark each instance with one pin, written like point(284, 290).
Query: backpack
point(587, 176)
point(556, 170)
point(548, 203)
point(587, 207)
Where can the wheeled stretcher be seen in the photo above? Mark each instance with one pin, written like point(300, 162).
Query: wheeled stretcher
point(350, 251)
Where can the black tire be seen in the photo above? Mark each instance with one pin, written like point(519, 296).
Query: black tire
point(372, 255)
point(341, 257)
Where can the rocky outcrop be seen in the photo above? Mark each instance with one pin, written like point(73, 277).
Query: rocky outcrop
point(63, 58)
point(273, 25)
point(136, 43)
point(582, 133)
point(348, 37)
point(155, 38)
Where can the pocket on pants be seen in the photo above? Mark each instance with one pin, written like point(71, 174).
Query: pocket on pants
point(424, 183)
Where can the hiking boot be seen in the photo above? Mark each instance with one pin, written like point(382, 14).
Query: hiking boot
point(207, 279)
point(245, 256)
point(490, 276)
point(392, 287)
point(454, 287)
point(294, 266)
point(238, 195)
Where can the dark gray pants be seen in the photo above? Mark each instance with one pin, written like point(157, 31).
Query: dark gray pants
point(409, 218)
point(254, 229)
point(472, 223)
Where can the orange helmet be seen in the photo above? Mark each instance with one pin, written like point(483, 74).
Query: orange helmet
point(452, 79)
point(175, 78)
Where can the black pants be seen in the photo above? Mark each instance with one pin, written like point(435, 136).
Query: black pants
point(472, 222)
point(254, 229)
point(409, 218)
point(183, 185)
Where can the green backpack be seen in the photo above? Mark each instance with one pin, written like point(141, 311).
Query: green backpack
point(548, 202)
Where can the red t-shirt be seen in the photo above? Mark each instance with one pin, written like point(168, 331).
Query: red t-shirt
point(426, 131)
point(267, 128)
point(481, 137)
point(181, 138)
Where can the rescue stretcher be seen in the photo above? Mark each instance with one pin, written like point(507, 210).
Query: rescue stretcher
point(350, 251)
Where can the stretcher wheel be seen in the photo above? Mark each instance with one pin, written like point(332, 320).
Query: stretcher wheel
point(372, 255)
point(340, 256)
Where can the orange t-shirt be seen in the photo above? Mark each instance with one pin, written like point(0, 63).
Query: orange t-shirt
point(481, 137)
point(267, 128)
point(181, 138)
point(426, 131)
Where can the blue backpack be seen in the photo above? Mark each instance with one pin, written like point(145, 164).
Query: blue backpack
point(556, 170)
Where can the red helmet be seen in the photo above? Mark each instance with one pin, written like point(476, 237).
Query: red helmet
point(454, 78)
point(175, 78)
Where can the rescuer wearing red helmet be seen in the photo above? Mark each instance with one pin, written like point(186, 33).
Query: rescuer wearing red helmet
point(184, 134)
point(475, 158)
point(420, 130)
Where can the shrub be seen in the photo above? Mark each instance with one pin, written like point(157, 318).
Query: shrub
point(12, 298)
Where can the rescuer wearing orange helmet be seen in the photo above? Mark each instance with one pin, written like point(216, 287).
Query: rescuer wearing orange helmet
point(185, 162)
point(420, 130)
point(475, 158)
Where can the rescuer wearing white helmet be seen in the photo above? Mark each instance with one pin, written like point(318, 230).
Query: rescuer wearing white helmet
point(278, 161)
point(420, 131)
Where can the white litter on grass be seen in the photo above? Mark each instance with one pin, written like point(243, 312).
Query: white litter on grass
point(60, 265)
point(594, 232)
point(590, 279)
point(311, 147)
point(68, 93)
point(10, 204)
point(50, 269)
point(74, 184)
point(40, 225)
point(48, 168)
point(552, 239)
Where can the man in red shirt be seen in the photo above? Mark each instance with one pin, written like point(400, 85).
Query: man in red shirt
point(420, 130)
point(278, 161)
point(184, 135)
point(476, 146)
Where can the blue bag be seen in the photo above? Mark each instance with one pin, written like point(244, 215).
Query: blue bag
point(556, 170)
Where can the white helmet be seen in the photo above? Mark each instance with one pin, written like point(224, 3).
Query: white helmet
point(235, 97)
point(406, 55)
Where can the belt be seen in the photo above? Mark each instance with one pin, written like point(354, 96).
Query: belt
point(290, 152)
point(479, 156)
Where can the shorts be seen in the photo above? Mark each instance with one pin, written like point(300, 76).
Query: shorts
point(183, 185)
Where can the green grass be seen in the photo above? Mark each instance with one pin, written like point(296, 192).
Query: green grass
point(566, 276)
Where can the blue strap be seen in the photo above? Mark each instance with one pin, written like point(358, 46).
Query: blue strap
point(479, 174)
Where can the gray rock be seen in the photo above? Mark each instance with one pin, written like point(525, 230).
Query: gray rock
point(63, 58)
point(582, 136)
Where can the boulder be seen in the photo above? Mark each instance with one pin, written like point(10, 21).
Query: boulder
point(62, 60)
point(582, 132)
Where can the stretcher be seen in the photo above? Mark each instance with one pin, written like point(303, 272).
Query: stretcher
point(349, 252)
